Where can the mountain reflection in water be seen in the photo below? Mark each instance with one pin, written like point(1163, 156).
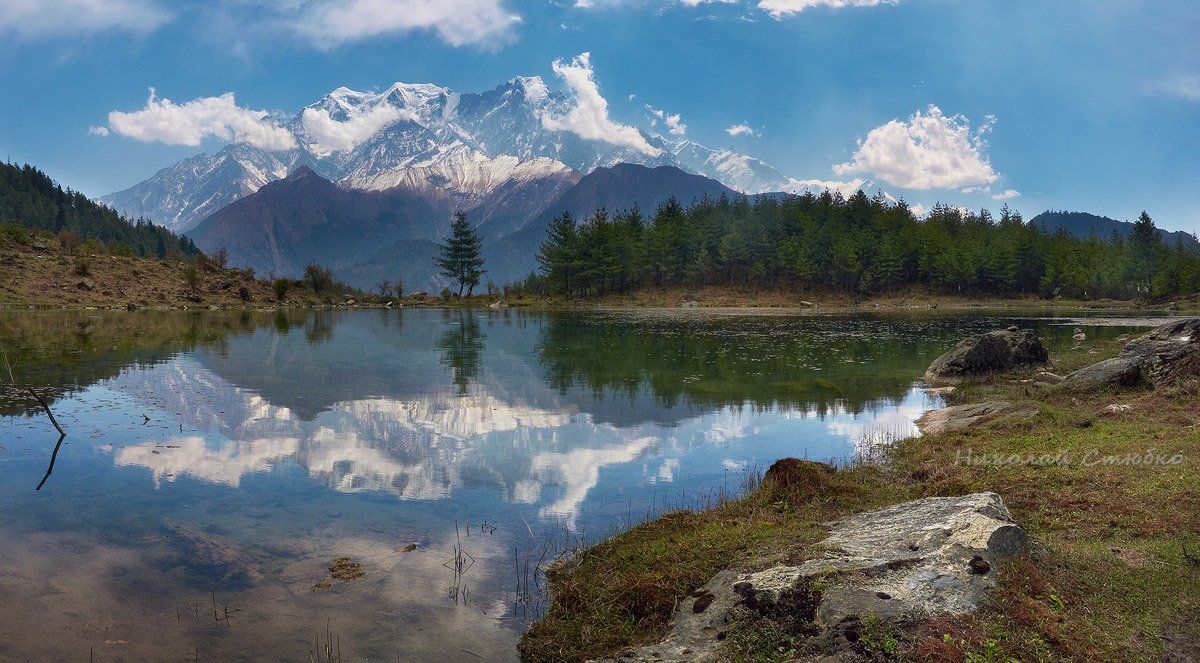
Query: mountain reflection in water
point(216, 464)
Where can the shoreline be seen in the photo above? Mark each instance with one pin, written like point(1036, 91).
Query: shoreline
point(1100, 581)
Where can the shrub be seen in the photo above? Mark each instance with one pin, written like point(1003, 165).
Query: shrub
point(82, 266)
point(281, 287)
point(14, 234)
point(317, 277)
point(191, 276)
point(69, 240)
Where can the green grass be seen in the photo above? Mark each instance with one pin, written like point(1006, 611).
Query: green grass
point(1106, 576)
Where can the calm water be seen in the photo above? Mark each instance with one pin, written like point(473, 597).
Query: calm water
point(217, 464)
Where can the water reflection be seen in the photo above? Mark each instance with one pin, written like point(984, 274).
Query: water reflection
point(217, 464)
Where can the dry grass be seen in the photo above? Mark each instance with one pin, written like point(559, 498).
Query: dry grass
point(43, 273)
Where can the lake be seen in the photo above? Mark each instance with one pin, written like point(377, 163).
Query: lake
point(218, 464)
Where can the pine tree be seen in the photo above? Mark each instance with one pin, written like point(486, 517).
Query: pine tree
point(459, 257)
point(1145, 247)
point(556, 257)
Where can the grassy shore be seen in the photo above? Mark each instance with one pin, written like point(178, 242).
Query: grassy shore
point(716, 297)
point(1112, 573)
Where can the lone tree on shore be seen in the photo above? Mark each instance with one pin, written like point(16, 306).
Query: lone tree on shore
point(459, 257)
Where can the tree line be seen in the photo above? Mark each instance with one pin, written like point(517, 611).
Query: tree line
point(861, 245)
point(29, 199)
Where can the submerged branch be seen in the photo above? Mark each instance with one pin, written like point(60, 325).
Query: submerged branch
point(46, 407)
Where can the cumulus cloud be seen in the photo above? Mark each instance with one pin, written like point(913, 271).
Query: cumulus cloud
point(329, 23)
point(673, 122)
point(1007, 194)
point(188, 123)
point(742, 129)
point(587, 116)
point(98, 131)
point(929, 151)
point(779, 8)
point(36, 19)
point(327, 135)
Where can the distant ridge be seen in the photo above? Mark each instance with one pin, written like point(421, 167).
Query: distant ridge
point(1083, 225)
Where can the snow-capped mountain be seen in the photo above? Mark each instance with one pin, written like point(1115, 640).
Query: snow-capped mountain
point(745, 173)
point(423, 136)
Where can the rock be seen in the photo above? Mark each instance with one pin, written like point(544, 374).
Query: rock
point(940, 391)
point(350, 302)
point(985, 353)
point(900, 564)
point(799, 478)
point(689, 303)
point(244, 294)
point(1117, 408)
point(87, 285)
point(806, 304)
point(1168, 354)
point(1046, 377)
point(962, 417)
point(497, 305)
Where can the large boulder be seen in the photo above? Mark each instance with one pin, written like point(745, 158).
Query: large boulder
point(900, 564)
point(962, 417)
point(999, 350)
point(1168, 354)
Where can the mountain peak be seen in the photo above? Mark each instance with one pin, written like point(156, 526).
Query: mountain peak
point(535, 89)
point(301, 172)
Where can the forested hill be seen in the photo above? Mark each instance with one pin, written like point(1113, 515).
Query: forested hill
point(859, 245)
point(1084, 225)
point(30, 199)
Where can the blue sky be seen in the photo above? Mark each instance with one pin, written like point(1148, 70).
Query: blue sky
point(1067, 104)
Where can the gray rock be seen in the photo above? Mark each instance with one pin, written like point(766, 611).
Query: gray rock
point(1046, 377)
point(901, 564)
point(961, 417)
point(1163, 356)
point(986, 353)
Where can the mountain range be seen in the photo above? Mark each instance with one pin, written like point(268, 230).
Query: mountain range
point(376, 175)
point(1084, 225)
point(424, 136)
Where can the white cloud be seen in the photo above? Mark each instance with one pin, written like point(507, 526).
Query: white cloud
point(588, 116)
point(35, 19)
point(742, 129)
point(1007, 194)
point(674, 123)
point(930, 150)
point(592, 4)
point(327, 135)
point(1184, 87)
point(98, 131)
point(188, 123)
point(778, 8)
point(329, 23)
